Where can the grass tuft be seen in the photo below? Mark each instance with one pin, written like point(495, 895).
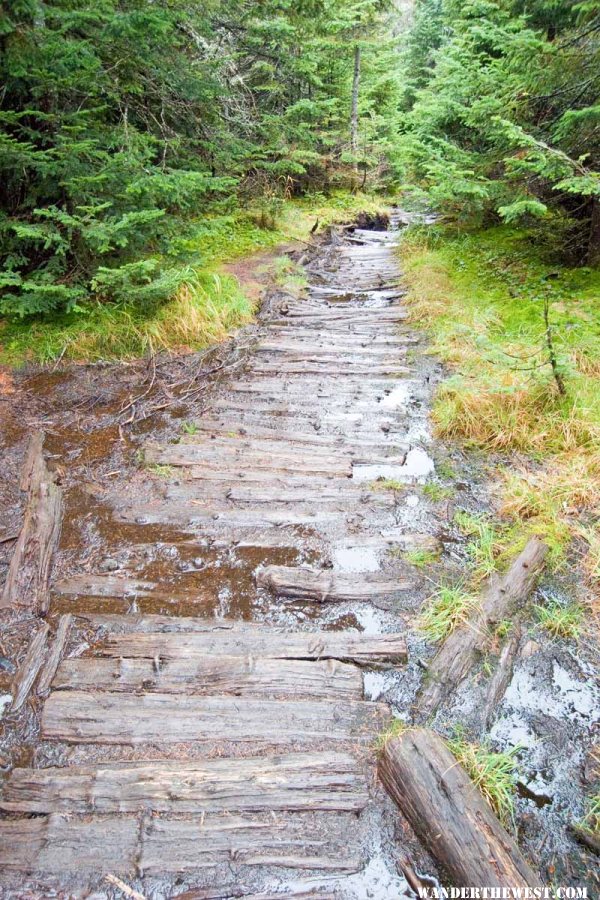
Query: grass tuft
point(494, 774)
point(162, 471)
point(388, 484)
point(189, 428)
point(560, 620)
point(437, 492)
point(422, 559)
point(447, 608)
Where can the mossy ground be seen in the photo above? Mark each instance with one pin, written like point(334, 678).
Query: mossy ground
point(480, 295)
point(207, 305)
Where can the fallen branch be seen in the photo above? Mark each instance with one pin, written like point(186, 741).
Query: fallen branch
point(29, 570)
point(449, 815)
point(461, 649)
point(503, 674)
point(29, 668)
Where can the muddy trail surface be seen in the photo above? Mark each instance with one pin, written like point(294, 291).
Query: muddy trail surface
point(232, 613)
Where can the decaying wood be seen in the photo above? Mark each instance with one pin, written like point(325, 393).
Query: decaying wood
point(54, 656)
point(124, 888)
point(237, 675)
point(460, 650)
point(368, 650)
point(502, 675)
point(27, 579)
point(29, 668)
point(307, 781)
point(98, 717)
point(449, 815)
point(58, 844)
point(324, 586)
point(586, 837)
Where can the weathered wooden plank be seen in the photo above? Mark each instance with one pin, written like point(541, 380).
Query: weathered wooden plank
point(27, 578)
point(107, 718)
point(325, 586)
point(54, 656)
point(29, 668)
point(296, 841)
point(307, 781)
point(241, 676)
point(449, 814)
point(353, 647)
point(231, 518)
point(91, 585)
point(58, 844)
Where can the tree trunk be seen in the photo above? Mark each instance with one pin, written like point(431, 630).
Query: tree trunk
point(593, 254)
point(354, 114)
point(449, 815)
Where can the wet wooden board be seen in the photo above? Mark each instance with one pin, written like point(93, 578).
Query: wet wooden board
point(60, 844)
point(307, 781)
point(97, 717)
point(237, 675)
point(353, 647)
point(324, 586)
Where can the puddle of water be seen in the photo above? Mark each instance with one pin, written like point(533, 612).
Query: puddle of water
point(399, 396)
point(369, 619)
point(417, 466)
point(355, 559)
point(5, 701)
point(564, 698)
point(512, 732)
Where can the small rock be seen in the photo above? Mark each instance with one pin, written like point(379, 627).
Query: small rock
point(529, 649)
point(109, 565)
point(198, 562)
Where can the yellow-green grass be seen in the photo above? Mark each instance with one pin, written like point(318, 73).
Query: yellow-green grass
point(206, 305)
point(449, 606)
point(480, 297)
point(494, 774)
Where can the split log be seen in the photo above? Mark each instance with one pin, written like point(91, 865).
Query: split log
point(503, 674)
point(324, 586)
point(302, 781)
point(96, 717)
point(51, 665)
point(461, 649)
point(449, 815)
point(29, 570)
point(233, 675)
point(367, 650)
point(29, 668)
point(58, 844)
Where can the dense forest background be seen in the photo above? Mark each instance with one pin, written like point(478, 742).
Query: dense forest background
point(128, 127)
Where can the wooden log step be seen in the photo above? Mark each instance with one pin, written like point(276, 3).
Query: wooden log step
point(229, 518)
point(219, 425)
point(237, 675)
point(340, 493)
point(307, 781)
point(59, 844)
point(336, 368)
point(324, 585)
point(222, 459)
point(97, 717)
point(346, 646)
